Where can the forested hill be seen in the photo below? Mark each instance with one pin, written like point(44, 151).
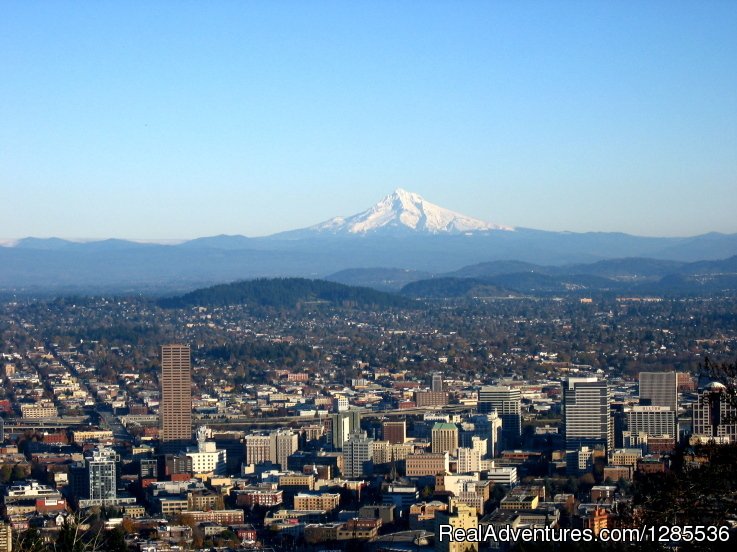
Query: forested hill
point(285, 293)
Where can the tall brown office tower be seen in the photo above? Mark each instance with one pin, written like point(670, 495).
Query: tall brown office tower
point(176, 396)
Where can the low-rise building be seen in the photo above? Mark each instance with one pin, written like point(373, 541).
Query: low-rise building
point(223, 517)
point(36, 410)
point(311, 501)
point(426, 464)
point(422, 515)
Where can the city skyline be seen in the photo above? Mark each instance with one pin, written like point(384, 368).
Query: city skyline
point(309, 410)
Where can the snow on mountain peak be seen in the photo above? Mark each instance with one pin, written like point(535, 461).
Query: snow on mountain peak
point(405, 210)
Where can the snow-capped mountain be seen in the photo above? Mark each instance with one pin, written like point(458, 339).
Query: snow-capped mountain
point(401, 237)
point(405, 210)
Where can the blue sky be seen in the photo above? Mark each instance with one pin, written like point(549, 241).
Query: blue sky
point(182, 119)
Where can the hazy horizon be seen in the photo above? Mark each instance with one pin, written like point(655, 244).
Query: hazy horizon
point(5, 241)
point(175, 241)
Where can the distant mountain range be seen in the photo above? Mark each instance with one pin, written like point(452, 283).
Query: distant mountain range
point(403, 230)
point(492, 279)
point(631, 275)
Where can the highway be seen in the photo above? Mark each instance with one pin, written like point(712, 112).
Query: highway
point(237, 423)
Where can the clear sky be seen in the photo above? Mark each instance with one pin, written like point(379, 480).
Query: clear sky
point(173, 119)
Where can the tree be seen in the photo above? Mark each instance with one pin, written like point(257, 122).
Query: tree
point(6, 473)
point(114, 541)
point(128, 526)
point(19, 472)
point(702, 483)
point(71, 537)
point(228, 537)
point(77, 535)
point(29, 541)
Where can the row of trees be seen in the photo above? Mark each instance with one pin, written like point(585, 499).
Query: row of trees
point(77, 534)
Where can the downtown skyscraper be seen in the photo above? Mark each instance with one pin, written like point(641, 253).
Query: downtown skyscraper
point(358, 455)
point(176, 396)
point(715, 414)
point(659, 389)
point(587, 418)
point(507, 402)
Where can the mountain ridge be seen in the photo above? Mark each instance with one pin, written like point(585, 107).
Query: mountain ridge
point(402, 232)
point(630, 274)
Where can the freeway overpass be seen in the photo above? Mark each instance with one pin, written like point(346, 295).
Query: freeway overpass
point(236, 422)
point(15, 425)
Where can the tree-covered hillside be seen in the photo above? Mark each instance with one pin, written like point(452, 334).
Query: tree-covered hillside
point(284, 293)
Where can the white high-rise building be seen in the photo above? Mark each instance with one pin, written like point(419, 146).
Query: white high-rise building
point(343, 424)
point(587, 414)
point(653, 420)
point(95, 482)
point(206, 457)
point(495, 434)
point(358, 456)
point(489, 427)
point(479, 444)
point(102, 475)
point(283, 443)
point(469, 458)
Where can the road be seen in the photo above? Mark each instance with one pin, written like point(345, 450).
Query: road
point(108, 419)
